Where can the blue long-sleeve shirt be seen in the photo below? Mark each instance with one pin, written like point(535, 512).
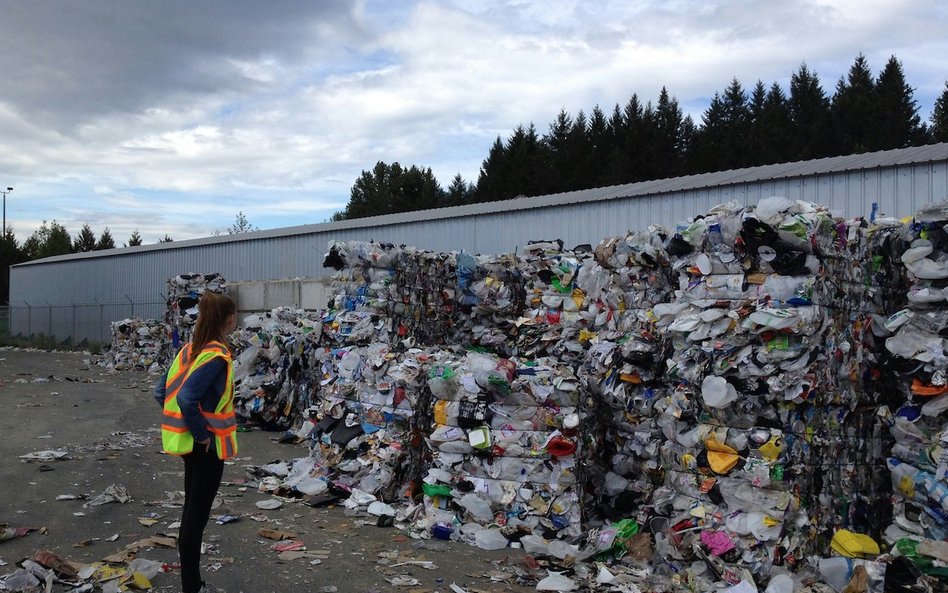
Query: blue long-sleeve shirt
point(202, 390)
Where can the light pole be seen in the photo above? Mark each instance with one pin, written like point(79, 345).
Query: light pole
point(9, 189)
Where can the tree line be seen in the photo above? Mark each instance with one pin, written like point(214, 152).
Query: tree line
point(641, 141)
point(52, 239)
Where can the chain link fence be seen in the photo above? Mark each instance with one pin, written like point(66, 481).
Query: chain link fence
point(73, 323)
point(45, 324)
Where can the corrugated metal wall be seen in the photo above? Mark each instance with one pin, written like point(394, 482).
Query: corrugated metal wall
point(80, 297)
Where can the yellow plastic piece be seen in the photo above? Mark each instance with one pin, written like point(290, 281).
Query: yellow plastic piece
point(721, 458)
point(854, 545)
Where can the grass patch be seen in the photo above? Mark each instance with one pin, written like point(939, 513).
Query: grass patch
point(49, 343)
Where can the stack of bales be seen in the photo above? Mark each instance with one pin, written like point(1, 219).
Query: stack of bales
point(918, 461)
point(184, 294)
point(489, 292)
point(553, 303)
point(504, 447)
point(836, 439)
point(361, 285)
point(625, 366)
point(366, 417)
point(277, 367)
point(137, 344)
point(423, 292)
point(746, 348)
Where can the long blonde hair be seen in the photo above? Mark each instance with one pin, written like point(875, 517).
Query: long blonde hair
point(213, 311)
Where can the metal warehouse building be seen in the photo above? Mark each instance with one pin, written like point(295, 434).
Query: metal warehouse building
point(77, 296)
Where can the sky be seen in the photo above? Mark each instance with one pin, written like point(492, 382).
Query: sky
point(169, 117)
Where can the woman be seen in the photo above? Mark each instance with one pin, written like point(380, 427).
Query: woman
point(197, 395)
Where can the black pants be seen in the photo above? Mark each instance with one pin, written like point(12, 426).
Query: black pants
point(202, 477)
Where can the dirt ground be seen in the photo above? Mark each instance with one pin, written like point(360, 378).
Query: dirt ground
point(108, 424)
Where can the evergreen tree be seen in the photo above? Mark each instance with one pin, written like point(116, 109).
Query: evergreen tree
point(391, 188)
point(721, 143)
point(612, 172)
point(939, 119)
point(135, 240)
point(669, 144)
point(85, 240)
point(417, 189)
point(599, 141)
point(557, 146)
point(10, 254)
point(459, 192)
point(371, 195)
point(769, 132)
point(48, 240)
point(524, 170)
point(630, 129)
point(757, 135)
point(810, 136)
point(854, 110)
point(165, 239)
point(489, 185)
point(736, 126)
point(105, 241)
point(709, 142)
point(570, 163)
point(897, 121)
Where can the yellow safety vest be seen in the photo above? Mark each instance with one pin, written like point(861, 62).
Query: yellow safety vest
point(176, 439)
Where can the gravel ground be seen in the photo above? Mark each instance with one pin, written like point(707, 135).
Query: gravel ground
point(108, 424)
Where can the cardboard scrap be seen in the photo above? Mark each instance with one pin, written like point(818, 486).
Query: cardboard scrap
point(131, 550)
point(276, 534)
point(59, 565)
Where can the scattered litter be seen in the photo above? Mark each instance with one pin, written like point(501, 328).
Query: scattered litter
point(276, 534)
point(8, 533)
point(46, 455)
point(289, 546)
point(224, 519)
point(403, 581)
point(71, 497)
point(112, 493)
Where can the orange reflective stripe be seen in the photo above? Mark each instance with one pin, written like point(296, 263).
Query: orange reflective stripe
point(226, 447)
point(182, 361)
point(178, 429)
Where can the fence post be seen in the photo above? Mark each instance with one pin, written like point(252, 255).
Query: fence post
point(49, 320)
point(100, 320)
point(75, 338)
point(29, 319)
point(131, 306)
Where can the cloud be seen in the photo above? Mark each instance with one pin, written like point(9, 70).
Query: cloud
point(172, 116)
point(99, 57)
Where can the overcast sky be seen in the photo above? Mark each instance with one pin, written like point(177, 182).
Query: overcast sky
point(171, 116)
